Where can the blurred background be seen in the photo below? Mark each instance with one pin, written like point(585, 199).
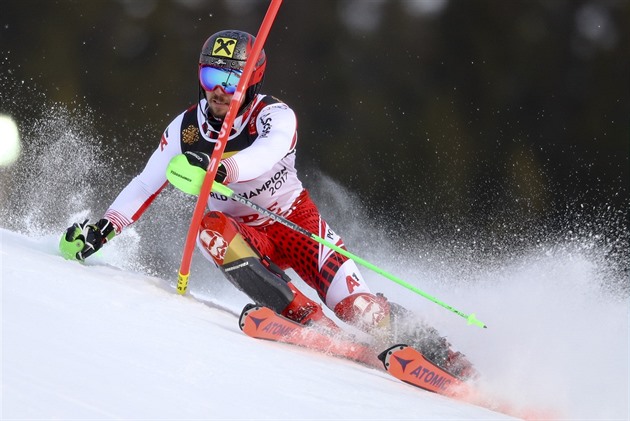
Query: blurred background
point(478, 149)
point(487, 125)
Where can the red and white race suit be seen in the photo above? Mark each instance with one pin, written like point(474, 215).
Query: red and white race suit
point(260, 161)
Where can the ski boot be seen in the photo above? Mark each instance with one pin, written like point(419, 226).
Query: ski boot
point(307, 312)
point(406, 328)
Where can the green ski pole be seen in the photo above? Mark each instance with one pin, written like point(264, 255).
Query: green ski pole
point(229, 193)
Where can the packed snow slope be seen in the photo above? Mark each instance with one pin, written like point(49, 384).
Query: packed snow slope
point(96, 342)
point(93, 341)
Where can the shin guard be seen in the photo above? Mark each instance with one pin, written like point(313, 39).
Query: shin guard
point(265, 288)
point(220, 238)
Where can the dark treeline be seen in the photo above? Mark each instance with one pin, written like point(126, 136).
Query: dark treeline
point(499, 115)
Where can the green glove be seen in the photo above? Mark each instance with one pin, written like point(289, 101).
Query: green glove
point(82, 240)
point(188, 170)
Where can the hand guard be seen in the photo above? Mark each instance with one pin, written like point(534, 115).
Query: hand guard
point(188, 170)
point(82, 240)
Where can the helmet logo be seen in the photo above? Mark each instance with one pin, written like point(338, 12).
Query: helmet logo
point(224, 47)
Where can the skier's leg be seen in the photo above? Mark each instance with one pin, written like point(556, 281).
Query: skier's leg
point(342, 287)
point(229, 245)
point(332, 275)
point(220, 239)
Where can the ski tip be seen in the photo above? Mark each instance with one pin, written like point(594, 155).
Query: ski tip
point(386, 355)
point(245, 313)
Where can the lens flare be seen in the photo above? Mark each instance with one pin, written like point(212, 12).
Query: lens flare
point(9, 141)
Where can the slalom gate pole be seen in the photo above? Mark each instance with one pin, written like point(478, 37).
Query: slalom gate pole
point(229, 193)
point(219, 147)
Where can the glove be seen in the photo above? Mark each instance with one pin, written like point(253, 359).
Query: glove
point(202, 160)
point(82, 240)
point(188, 170)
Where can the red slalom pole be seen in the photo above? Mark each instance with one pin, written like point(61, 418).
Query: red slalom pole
point(219, 147)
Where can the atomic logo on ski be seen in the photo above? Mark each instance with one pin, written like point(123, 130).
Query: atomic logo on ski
point(264, 323)
point(403, 362)
point(422, 372)
point(273, 328)
point(257, 321)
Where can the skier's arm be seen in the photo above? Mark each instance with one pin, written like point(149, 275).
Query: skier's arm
point(82, 240)
point(138, 195)
point(276, 125)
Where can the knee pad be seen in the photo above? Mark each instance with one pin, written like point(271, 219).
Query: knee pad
point(347, 281)
point(365, 311)
point(220, 238)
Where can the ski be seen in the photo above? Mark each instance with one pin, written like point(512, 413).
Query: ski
point(410, 366)
point(263, 323)
point(400, 361)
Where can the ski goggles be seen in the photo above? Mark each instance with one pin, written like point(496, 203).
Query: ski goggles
point(227, 79)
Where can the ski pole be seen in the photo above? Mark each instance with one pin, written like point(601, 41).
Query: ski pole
point(229, 193)
point(219, 147)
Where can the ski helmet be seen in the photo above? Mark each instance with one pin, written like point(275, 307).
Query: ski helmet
point(229, 50)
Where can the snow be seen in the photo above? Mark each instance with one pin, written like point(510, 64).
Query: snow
point(96, 342)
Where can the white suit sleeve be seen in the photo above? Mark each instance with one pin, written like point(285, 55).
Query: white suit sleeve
point(276, 125)
point(138, 195)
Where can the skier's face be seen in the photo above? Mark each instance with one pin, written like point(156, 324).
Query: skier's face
point(219, 85)
point(218, 102)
